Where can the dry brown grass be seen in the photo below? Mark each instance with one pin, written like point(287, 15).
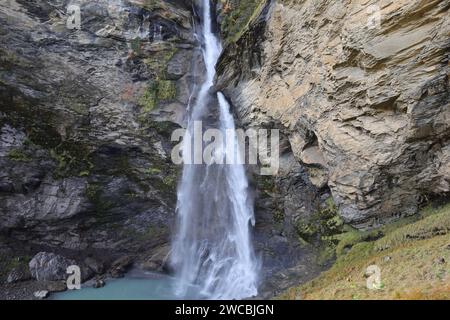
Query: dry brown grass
point(435, 224)
point(414, 260)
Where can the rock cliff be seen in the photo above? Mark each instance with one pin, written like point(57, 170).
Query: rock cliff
point(359, 88)
point(85, 122)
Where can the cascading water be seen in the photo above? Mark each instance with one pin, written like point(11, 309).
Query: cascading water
point(212, 248)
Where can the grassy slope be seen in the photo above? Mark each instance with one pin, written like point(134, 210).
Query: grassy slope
point(414, 258)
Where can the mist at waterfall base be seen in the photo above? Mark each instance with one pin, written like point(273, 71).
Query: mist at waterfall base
point(212, 248)
point(212, 253)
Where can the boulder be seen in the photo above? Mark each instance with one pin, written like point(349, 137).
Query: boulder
point(157, 261)
point(41, 294)
point(99, 283)
point(46, 266)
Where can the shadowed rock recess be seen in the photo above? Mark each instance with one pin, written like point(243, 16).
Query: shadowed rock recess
point(86, 116)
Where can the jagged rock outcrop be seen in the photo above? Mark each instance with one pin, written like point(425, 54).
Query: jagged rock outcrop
point(85, 123)
point(361, 90)
point(47, 266)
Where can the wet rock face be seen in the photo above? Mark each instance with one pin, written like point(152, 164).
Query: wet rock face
point(49, 267)
point(283, 203)
point(363, 96)
point(85, 122)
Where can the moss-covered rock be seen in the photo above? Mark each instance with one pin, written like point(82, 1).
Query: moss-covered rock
point(237, 15)
point(156, 92)
point(159, 60)
point(321, 225)
point(19, 155)
point(72, 159)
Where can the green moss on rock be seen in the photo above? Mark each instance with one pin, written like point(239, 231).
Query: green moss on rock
point(156, 92)
point(159, 60)
point(237, 15)
point(166, 90)
point(278, 215)
point(19, 155)
point(72, 159)
point(170, 181)
point(152, 171)
point(323, 224)
point(94, 193)
point(305, 230)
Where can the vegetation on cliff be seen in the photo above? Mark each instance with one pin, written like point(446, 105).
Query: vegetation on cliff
point(237, 15)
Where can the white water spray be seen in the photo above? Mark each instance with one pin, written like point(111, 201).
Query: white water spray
point(212, 249)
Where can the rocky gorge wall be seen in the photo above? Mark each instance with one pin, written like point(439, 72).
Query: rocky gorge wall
point(360, 90)
point(85, 122)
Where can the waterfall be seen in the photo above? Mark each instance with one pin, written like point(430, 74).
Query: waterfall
point(212, 250)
